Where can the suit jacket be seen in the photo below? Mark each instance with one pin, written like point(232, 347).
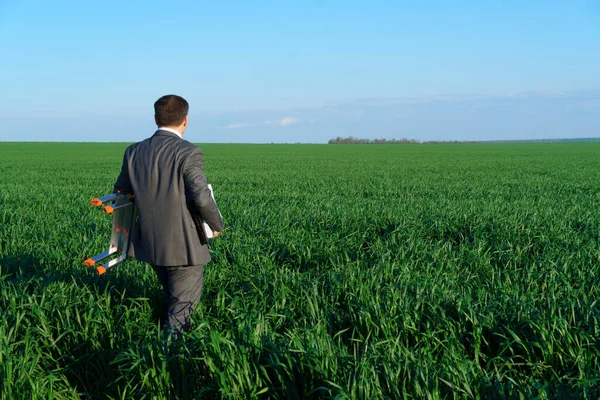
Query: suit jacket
point(165, 174)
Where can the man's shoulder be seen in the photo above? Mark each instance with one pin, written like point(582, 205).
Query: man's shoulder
point(189, 146)
point(146, 142)
point(180, 145)
point(134, 146)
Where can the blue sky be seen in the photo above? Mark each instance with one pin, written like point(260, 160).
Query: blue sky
point(301, 71)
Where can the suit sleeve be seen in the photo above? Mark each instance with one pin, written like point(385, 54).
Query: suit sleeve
point(123, 184)
point(198, 192)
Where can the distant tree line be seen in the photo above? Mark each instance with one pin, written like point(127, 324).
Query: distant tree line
point(353, 140)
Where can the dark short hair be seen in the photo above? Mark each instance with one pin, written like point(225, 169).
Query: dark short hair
point(170, 110)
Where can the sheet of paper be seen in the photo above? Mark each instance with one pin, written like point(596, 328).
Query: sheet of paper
point(207, 230)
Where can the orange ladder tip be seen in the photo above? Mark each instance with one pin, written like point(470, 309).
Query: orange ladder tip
point(101, 270)
point(89, 262)
point(108, 209)
point(96, 202)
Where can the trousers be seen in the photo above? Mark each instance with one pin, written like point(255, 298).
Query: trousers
point(182, 287)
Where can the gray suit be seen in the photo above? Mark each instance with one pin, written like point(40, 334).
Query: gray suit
point(165, 174)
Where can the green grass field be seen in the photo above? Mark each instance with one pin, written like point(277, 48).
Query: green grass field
point(390, 271)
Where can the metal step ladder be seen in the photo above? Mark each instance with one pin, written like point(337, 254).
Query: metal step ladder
point(122, 207)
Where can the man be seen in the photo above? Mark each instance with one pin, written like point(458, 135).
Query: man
point(165, 175)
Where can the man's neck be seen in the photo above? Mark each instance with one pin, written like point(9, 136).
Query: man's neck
point(172, 130)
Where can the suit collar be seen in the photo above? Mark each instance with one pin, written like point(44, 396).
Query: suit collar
point(164, 132)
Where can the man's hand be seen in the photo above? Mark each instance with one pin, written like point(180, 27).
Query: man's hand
point(215, 234)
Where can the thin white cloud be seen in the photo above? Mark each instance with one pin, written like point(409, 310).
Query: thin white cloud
point(238, 126)
point(281, 122)
point(288, 121)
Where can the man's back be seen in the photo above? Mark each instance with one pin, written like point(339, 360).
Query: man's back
point(165, 173)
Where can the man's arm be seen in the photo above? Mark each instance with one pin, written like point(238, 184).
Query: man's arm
point(123, 184)
point(198, 191)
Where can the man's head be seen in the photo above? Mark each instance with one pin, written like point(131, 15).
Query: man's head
point(171, 111)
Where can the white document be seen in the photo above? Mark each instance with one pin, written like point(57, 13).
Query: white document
point(207, 230)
